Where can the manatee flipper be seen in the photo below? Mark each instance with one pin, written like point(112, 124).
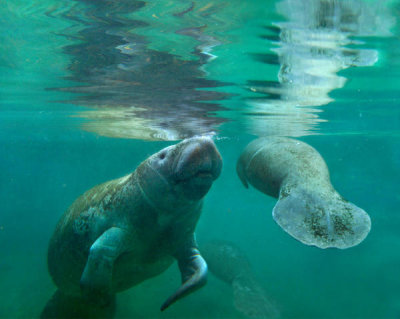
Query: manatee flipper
point(96, 278)
point(193, 271)
point(61, 306)
point(228, 263)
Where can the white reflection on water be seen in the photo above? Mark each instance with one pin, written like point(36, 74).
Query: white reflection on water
point(314, 45)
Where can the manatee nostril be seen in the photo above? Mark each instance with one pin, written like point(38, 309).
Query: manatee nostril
point(200, 159)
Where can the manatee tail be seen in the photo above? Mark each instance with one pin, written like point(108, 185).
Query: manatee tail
point(251, 301)
point(321, 219)
point(67, 307)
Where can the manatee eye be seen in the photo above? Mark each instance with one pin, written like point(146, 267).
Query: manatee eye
point(162, 155)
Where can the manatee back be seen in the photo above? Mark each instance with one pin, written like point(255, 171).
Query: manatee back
point(83, 222)
point(225, 260)
point(268, 162)
point(228, 263)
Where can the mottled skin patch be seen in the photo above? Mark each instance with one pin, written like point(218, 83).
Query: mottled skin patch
point(313, 222)
point(343, 225)
point(127, 230)
point(309, 208)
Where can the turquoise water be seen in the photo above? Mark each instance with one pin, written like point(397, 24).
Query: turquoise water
point(89, 89)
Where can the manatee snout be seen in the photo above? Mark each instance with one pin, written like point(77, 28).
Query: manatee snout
point(199, 159)
point(198, 165)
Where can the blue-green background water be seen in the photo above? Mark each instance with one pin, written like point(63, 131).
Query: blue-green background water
point(89, 89)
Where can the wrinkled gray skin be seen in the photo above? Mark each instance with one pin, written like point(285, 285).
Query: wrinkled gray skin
point(309, 208)
point(228, 263)
point(124, 231)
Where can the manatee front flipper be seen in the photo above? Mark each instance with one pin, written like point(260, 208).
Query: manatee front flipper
point(96, 280)
point(62, 306)
point(193, 271)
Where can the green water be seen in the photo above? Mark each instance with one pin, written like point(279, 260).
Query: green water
point(89, 89)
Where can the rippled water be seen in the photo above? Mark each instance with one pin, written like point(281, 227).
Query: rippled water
point(89, 89)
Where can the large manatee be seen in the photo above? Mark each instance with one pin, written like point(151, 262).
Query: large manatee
point(309, 208)
point(127, 230)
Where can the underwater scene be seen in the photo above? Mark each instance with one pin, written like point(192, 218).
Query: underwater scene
point(200, 159)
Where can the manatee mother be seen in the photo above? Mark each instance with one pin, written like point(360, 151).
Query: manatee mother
point(124, 231)
point(309, 208)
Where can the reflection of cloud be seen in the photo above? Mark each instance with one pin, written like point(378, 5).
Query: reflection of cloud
point(135, 91)
point(312, 50)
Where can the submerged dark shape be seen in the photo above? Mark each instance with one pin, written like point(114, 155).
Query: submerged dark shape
point(136, 91)
point(309, 208)
point(228, 263)
point(127, 230)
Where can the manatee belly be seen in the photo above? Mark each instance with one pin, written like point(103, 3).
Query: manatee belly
point(130, 270)
point(68, 255)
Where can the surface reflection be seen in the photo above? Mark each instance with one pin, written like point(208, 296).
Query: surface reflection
point(318, 39)
point(134, 91)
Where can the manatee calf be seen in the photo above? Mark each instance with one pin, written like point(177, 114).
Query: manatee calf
point(228, 263)
point(124, 231)
point(309, 208)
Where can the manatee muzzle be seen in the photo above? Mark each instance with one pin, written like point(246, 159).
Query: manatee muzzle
point(199, 160)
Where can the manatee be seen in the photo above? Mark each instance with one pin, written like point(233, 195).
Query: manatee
point(228, 263)
point(127, 230)
point(309, 208)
